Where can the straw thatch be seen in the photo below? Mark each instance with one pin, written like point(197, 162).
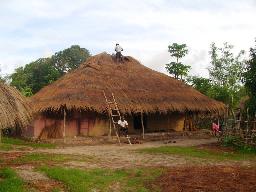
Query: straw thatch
point(136, 88)
point(14, 110)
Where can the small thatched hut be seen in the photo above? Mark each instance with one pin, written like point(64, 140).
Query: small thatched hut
point(14, 109)
point(162, 100)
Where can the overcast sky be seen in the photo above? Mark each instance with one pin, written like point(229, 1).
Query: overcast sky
point(30, 29)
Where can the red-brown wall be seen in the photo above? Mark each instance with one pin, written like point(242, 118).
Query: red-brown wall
point(84, 126)
point(96, 125)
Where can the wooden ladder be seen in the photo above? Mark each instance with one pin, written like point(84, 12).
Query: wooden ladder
point(114, 113)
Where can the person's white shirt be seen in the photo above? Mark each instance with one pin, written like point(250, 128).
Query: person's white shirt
point(118, 48)
point(123, 123)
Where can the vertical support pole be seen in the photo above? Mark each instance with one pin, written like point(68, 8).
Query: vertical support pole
point(227, 130)
point(110, 129)
point(247, 126)
point(64, 126)
point(254, 121)
point(142, 124)
point(0, 135)
point(240, 121)
point(233, 124)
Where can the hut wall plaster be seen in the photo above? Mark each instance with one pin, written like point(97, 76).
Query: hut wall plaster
point(99, 125)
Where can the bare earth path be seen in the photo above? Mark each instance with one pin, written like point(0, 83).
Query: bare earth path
point(114, 156)
point(37, 181)
point(125, 156)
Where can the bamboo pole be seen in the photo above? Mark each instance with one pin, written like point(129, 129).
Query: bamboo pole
point(64, 126)
point(142, 124)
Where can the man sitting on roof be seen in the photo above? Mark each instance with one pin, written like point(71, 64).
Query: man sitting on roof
point(123, 125)
point(118, 50)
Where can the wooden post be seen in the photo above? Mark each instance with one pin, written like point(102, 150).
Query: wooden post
point(110, 129)
point(247, 123)
point(254, 121)
point(233, 130)
point(64, 126)
point(142, 124)
point(0, 135)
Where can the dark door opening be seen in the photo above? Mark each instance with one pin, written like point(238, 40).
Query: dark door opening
point(137, 122)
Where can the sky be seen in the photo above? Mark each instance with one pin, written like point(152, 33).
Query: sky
point(31, 29)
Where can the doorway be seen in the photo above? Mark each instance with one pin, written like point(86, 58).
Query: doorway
point(137, 122)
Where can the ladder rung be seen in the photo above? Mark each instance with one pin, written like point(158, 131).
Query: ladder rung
point(115, 109)
point(115, 115)
point(111, 102)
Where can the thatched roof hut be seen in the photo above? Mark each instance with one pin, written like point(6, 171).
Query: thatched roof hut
point(137, 89)
point(14, 109)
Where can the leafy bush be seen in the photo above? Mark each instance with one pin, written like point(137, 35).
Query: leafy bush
point(237, 143)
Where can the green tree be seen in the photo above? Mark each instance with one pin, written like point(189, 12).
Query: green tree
point(250, 80)
point(69, 59)
point(220, 93)
point(37, 74)
point(226, 68)
point(19, 78)
point(205, 86)
point(176, 68)
point(200, 83)
point(226, 72)
point(40, 73)
point(34, 76)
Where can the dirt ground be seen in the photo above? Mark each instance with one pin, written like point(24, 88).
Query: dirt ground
point(126, 156)
point(208, 179)
point(37, 180)
point(183, 174)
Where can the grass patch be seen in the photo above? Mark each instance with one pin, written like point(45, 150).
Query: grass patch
point(200, 153)
point(77, 180)
point(40, 158)
point(46, 158)
point(10, 182)
point(6, 147)
point(16, 141)
point(238, 144)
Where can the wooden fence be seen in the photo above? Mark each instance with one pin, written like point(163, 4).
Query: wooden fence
point(245, 130)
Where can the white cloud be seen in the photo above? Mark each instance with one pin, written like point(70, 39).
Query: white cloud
point(32, 29)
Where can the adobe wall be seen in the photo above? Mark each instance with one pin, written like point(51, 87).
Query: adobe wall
point(99, 125)
point(100, 128)
point(174, 122)
point(96, 126)
point(158, 123)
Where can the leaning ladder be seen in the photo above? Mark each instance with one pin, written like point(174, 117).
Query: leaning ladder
point(114, 113)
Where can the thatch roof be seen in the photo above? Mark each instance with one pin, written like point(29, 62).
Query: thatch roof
point(136, 88)
point(14, 109)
